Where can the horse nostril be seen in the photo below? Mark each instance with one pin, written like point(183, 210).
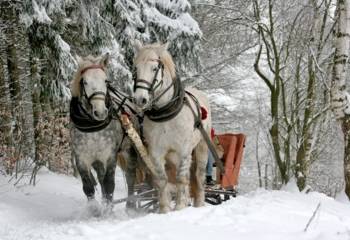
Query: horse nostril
point(96, 113)
point(144, 101)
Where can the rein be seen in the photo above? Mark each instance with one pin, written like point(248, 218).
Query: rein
point(174, 106)
point(199, 125)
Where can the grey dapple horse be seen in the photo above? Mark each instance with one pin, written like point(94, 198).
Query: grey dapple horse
point(96, 135)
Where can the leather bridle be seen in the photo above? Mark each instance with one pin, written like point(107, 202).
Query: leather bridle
point(151, 87)
point(95, 95)
point(98, 95)
point(171, 108)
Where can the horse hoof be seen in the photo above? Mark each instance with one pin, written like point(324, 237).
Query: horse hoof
point(180, 206)
point(198, 204)
point(131, 205)
point(164, 210)
point(107, 209)
point(94, 208)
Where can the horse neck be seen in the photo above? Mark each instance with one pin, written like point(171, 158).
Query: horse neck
point(168, 95)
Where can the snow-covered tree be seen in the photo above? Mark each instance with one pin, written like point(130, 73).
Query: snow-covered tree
point(55, 31)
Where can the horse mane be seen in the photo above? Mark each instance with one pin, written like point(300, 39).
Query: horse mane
point(82, 63)
point(144, 55)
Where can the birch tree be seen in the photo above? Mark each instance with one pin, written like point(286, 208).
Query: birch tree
point(339, 93)
point(294, 38)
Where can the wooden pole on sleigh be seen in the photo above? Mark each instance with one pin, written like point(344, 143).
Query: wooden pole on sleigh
point(136, 140)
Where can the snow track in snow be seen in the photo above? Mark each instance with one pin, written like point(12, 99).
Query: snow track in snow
point(55, 209)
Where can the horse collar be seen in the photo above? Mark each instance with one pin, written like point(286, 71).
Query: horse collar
point(171, 109)
point(83, 121)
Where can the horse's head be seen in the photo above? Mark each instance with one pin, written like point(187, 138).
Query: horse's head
point(90, 85)
point(154, 68)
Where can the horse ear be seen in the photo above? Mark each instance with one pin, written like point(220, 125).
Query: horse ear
point(105, 60)
point(137, 45)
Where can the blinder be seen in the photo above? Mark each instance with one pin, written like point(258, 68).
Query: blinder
point(98, 94)
point(79, 115)
point(93, 95)
point(150, 87)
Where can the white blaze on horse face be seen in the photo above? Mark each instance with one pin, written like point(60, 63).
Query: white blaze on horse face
point(145, 71)
point(94, 80)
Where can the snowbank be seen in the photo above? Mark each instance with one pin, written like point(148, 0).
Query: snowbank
point(54, 209)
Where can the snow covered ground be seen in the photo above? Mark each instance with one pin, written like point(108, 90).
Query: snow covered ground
point(55, 209)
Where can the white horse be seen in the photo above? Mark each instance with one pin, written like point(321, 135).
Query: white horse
point(169, 124)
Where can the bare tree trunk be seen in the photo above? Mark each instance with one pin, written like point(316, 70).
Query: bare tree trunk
point(266, 178)
point(257, 159)
point(5, 108)
point(339, 95)
point(273, 83)
point(304, 150)
point(17, 50)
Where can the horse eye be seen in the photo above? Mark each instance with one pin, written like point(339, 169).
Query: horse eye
point(84, 82)
point(154, 69)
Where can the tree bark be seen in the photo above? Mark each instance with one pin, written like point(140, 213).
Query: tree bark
point(17, 50)
point(5, 108)
point(304, 150)
point(274, 85)
point(339, 95)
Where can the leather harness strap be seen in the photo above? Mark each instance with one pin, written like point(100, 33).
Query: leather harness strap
point(81, 118)
point(198, 124)
point(151, 87)
point(171, 109)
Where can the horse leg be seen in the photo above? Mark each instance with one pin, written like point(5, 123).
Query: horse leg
point(100, 170)
point(108, 181)
point(161, 181)
point(164, 198)
point(182, 182)
point(201, 158)
point(88, 182)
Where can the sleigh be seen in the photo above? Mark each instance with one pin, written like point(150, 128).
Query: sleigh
point(145, 197)
point(233, 145)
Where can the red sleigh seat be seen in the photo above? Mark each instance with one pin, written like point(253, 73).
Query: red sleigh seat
point(233, 145)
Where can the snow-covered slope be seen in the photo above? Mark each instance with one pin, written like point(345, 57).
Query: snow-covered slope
point(54, 209)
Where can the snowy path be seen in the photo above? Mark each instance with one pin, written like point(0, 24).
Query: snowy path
point(54, 210)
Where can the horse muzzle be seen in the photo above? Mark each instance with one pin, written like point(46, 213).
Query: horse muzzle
point(100, 115)
point(98, 110)
point(142, 101)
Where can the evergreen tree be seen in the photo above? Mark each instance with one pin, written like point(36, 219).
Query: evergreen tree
point(51, 33)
